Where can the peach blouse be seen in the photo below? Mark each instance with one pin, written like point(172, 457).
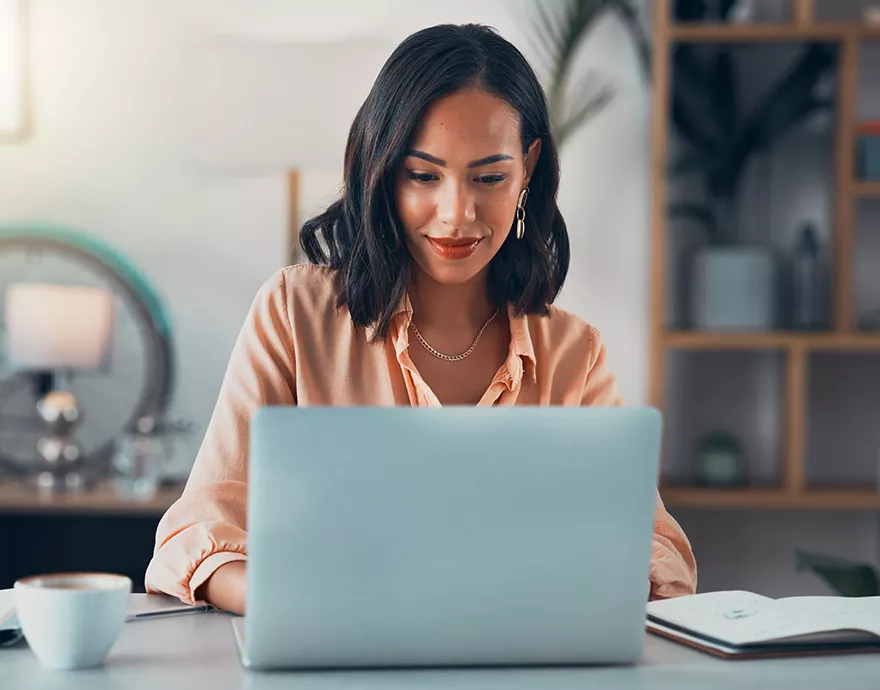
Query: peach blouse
point(296, 348)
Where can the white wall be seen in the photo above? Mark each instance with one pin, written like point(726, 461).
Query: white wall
point(106, 156)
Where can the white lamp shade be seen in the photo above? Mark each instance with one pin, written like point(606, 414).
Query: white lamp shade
point(51, 327)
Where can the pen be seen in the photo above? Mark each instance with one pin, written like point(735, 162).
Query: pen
point(161, 613)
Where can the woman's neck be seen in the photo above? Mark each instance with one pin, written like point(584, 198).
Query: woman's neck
point(462, 307)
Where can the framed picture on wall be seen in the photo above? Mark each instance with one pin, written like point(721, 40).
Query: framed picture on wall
point(14, 87)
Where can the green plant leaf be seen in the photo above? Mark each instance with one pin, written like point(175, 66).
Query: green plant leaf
point(691, 161)
point(781, 108)
point(559, 29)
point(592, 98)
point(698, 10)
point(726, 6)
point(690, 10)
point(564, 31)
point(699, 213)
point(847, 578)
point(725, 92)
point(694, 108)
point(792, 98)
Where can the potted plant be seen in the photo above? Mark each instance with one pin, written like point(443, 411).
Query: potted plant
point(557, 30)
point(733, 285)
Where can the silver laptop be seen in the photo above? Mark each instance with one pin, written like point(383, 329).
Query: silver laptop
point(386, 537)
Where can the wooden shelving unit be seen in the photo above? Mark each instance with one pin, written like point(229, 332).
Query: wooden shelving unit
point(828, 342)
point(776, 33)
point(793, 491)
point(855, 498)
point(867, 190)
point(20, 498)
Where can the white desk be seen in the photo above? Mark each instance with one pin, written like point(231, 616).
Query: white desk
point(198, 651)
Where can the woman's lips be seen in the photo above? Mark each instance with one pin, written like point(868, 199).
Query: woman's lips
point(454, 248)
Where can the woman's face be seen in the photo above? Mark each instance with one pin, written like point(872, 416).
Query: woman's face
point(458, 185)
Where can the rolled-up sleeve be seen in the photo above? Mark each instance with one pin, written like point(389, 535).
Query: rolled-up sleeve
point(673, 567)
point(207, 526)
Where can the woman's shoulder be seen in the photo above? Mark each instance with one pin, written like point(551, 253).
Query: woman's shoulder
point(303, 288)
point(561, 330)
point(310, 283)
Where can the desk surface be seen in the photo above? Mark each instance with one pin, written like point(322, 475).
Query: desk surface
point(198, 651)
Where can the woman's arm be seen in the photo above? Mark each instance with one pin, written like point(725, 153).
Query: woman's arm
point(225, 588)
point(673, 568)
point(204, 532)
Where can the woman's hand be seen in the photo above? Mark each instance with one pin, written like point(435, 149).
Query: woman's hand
point(225, 588)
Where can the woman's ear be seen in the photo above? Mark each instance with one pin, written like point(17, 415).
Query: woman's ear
point(532, 156)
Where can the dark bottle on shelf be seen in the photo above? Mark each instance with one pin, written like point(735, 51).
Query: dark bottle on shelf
point(806, 285)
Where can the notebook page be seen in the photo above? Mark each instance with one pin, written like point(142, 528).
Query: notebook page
point(843, 613)
point(737, 617)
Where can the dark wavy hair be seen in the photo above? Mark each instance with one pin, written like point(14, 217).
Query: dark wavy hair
point(361, 236)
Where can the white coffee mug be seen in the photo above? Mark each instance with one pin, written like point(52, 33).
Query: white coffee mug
point(71, 620)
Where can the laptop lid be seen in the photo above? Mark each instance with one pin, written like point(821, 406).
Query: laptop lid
point(449, 536)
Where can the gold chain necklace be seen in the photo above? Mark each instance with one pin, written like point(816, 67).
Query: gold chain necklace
point(451, 358)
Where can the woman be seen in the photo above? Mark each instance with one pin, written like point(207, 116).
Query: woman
point(447, 231)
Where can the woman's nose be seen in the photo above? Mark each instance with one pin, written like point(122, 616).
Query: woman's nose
point(456, 206)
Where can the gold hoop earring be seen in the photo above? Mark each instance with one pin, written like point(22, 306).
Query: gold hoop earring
point(521, 213)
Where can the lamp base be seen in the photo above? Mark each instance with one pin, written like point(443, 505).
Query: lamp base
point(55, 483)
point(61, 456)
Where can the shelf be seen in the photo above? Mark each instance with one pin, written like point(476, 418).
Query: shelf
point(691, 371)
point(18, 498)
point(781, 340)
point(776, 499)
point(867, 190)
point(699, 32)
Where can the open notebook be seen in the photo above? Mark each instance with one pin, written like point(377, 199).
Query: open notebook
point(140, 606)
point(746, 625)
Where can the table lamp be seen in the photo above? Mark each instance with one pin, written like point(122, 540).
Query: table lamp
point(52, 329)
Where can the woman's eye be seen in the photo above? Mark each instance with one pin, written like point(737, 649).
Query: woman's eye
point(491, 179)
point(421, 177)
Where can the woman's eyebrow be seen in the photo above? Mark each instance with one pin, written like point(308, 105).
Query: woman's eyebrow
point(488, 160)
point(426, 157)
